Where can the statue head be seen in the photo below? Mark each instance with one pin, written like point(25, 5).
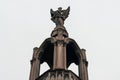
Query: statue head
point(60, 9)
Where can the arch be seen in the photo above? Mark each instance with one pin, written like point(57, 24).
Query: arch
point(74, 68)
point(44, 68)
point(46, 52)
point(74, 54)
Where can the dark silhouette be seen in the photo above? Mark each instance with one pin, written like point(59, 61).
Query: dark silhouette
point(59, 16)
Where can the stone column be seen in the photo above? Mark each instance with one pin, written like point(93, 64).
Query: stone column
point(59, 55)
point(85, 64)
point(80, 69)
point(54, 56)
point(35, 65)
point(83, 74)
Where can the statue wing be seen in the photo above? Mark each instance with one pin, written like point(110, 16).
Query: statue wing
point(66, 12)
point(52, 12)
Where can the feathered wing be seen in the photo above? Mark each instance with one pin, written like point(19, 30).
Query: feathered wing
point(52, 12)
point(66, 12)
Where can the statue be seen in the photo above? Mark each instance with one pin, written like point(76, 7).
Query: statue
point(59, 16)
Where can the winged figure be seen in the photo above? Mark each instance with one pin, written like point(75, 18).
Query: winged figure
point(59, 16)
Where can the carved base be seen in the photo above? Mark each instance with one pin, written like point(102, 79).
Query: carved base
point(58, 75)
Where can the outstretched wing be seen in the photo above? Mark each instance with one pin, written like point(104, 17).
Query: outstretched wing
point(66, 12)
point(52, 12)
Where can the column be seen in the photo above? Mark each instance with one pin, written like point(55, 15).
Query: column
point(60, 55)
point(85, 64)
point(35, 65)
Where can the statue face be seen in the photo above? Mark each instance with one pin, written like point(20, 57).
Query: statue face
point(60, 8)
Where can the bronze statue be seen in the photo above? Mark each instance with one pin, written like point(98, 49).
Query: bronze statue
point(59, 52)
point(59, 16)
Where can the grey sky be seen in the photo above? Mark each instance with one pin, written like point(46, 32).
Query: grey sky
point(94, 24)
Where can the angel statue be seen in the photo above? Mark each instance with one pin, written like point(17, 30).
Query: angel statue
point(59, 16)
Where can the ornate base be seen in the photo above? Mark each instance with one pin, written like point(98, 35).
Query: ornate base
point(58, 75)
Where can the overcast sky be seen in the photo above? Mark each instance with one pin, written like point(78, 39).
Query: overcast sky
point(94, 24)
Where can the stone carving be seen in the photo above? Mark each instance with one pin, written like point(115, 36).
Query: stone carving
point(59, 16)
